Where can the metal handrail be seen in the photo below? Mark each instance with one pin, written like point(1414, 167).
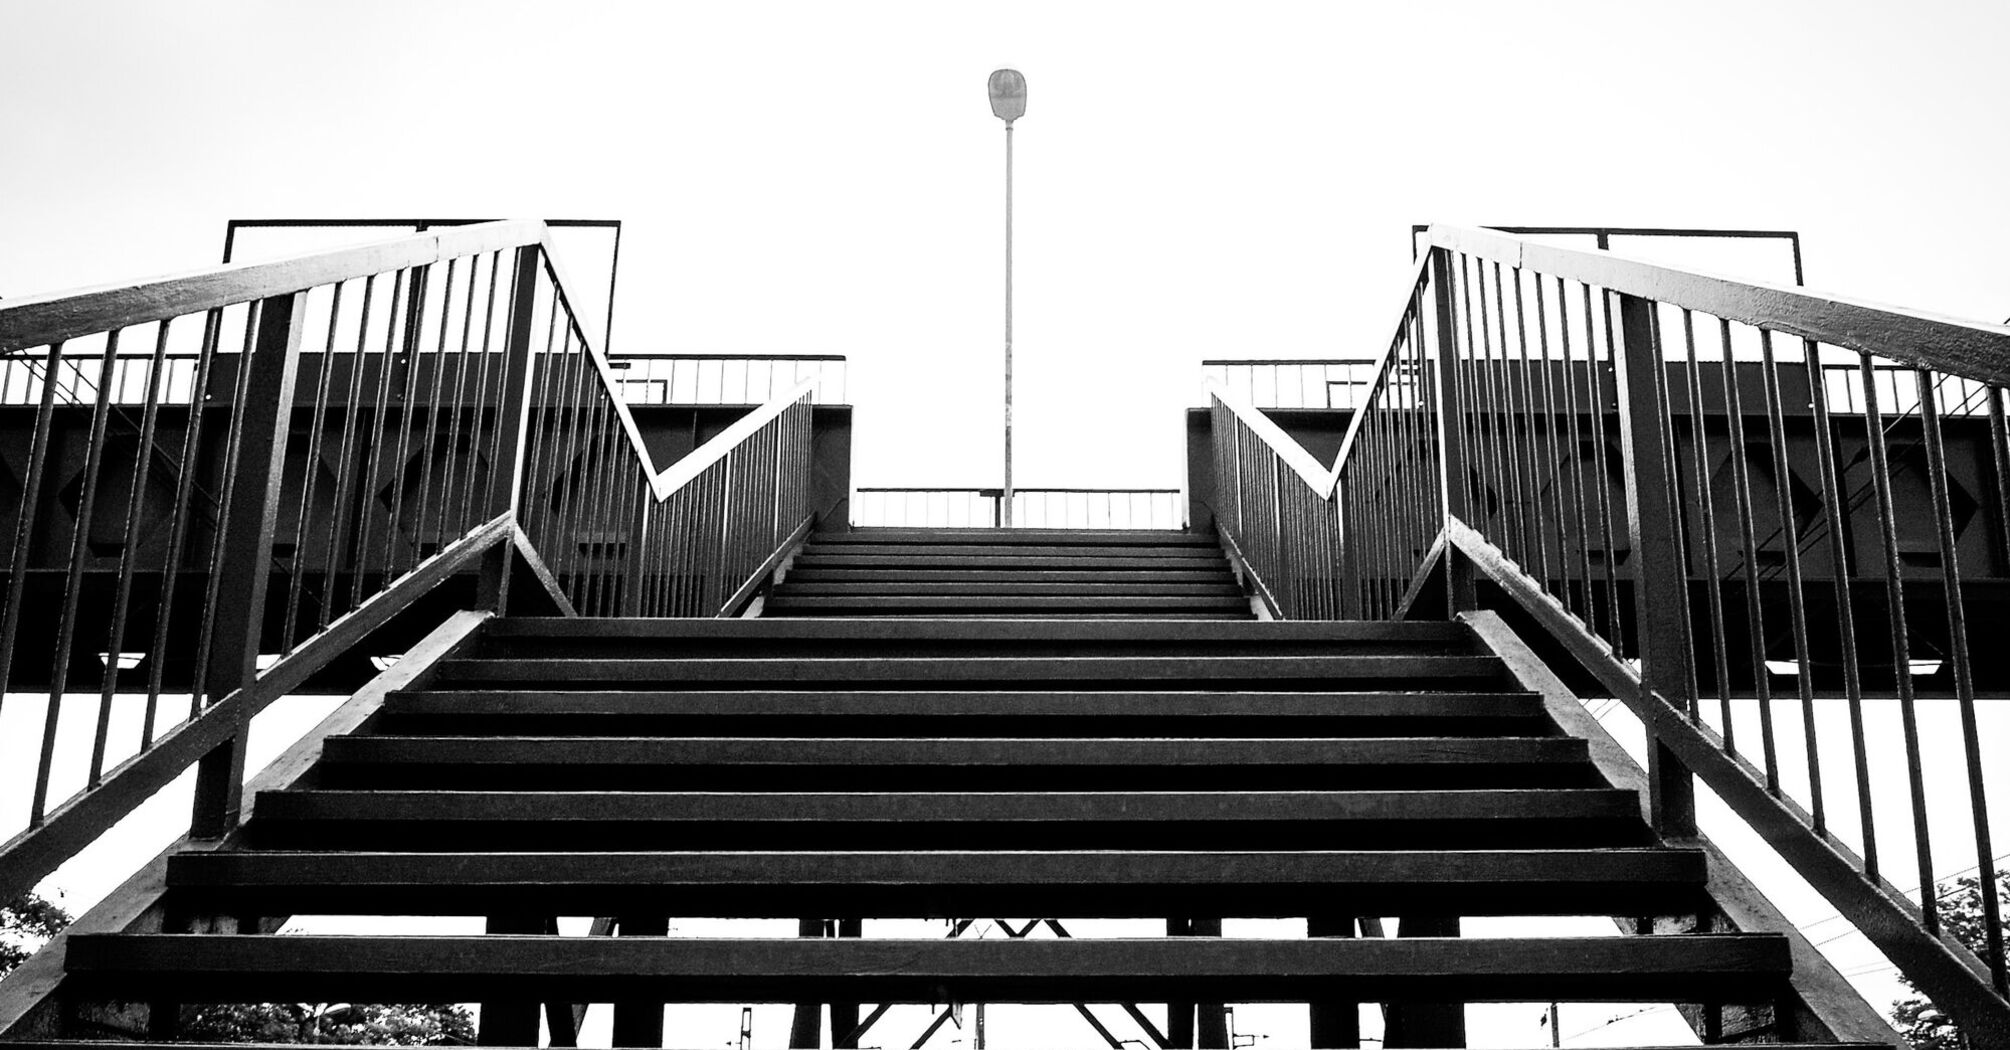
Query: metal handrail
point(433, 437)
point(1528, 356)
point(1971, 349)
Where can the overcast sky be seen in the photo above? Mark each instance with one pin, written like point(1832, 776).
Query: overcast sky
point(1194, 180)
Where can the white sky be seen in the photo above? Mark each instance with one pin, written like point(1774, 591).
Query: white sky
point(1193, 180)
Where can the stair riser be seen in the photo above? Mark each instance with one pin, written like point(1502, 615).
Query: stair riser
point(1064, 902)
point(839, 777)
point(866, 630)
point(811, 649)
point(908, 727)
point(949, 764)
point(1324, 673)
point(252, 969)
point(936, 884)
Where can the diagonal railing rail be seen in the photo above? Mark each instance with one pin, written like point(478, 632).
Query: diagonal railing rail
point(362, 426)
point(1601, 445)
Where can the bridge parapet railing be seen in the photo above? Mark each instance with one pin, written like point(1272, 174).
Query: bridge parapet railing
point(1041, 508)
point(1602, 444)
point(352, 430)
point(649, 378)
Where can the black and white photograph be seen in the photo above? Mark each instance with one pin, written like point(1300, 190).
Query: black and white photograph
point(1020, 525)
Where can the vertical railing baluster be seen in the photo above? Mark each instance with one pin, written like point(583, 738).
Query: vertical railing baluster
point(456, 407)
point(345, 467)
point(129, 551)
point(60, 657)
point(24, 520)
point(1964, 683)
point(641, 500)
point(316, 423)
point(1755, 619)
point(157, 653)
point(408, 405)
point(207, 641)
point(1901, 645)
point(480, 414)
point(1554, 454)
point(1790, 545)
point(1615, 629)
point(1842, 576)
point(380, 411)
point(1707, 522)
point(1587, 610)
point(1523, 527)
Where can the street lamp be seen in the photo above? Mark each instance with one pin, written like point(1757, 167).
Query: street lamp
point(1008, 103)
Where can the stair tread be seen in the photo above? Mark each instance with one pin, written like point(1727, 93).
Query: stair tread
point(1019, 536)
point(893, 547)
point(972, 668)
point(786, 599)
point(1498, 804)
point(981, 703)
point(1006, 561)
point(1074, 631)
point(950, 573)
point(974, 589)
point(995, 751)
point(1701, 967)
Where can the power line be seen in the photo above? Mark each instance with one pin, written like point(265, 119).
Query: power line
point(1941, 896)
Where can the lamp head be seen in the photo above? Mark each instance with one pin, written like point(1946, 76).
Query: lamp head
point(1008, 95)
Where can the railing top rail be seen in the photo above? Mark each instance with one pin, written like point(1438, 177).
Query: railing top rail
point(679, 474)
point(664, 355)
point(1323, 480)
point(995, 491)
point(1287, 448)
point(42, 319)
point(1973, 349)
point(1216, 362)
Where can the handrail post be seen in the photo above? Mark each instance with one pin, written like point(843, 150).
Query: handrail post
point(1460, 594)
point(512, 420)
point(1660, 570)
point(261, 421)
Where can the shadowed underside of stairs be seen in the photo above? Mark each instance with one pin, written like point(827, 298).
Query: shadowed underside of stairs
point(909, 765)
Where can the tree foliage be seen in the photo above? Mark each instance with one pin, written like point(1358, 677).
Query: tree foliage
point(438, 1024)
point(1916, 1018)
point(28, 921)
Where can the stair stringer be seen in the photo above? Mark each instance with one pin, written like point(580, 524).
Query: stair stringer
point(31, 1006)
point(1825, 1005)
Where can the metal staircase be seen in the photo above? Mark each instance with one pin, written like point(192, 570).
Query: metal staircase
point(581, 684)
point(890, 768)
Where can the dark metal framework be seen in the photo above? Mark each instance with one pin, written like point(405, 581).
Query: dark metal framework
point(358, 427)
point(1591, 442)
point(1602, 236)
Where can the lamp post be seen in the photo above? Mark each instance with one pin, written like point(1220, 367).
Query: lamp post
point(1008, 103)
